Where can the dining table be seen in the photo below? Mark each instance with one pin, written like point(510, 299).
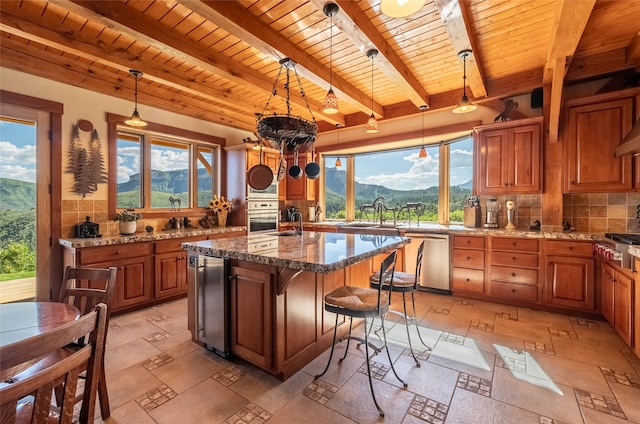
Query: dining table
point(21, 320)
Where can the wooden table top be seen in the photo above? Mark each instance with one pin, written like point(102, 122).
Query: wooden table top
point(21, 320)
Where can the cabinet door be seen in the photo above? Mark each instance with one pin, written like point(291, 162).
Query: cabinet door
point(524, 172)
point(593, 132)
point(136, 286)
point(493, 158)
point(170, 273)
point(623, 293)
point(251, 315)
point(570, 282)
point(608, 300)
point(296, 188)
point(269, 158)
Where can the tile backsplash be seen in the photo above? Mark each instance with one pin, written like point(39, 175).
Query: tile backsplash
point(602, 212)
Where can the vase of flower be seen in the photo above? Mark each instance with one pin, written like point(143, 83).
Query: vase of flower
point(222, 218)
point(128, 227)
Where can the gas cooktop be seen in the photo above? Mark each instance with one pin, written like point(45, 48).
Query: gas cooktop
point(624, 238)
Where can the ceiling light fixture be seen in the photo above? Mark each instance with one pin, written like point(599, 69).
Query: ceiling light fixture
point(338, 161)
point(330, 104)
point(400, 8)
point(135, 120)
point(280, 130)
point(423, 152)
point(372, 124)
point(465, 104)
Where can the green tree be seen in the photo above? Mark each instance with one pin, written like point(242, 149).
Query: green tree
point(17, 257)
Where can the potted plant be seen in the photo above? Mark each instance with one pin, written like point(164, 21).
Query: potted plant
point(128, 219)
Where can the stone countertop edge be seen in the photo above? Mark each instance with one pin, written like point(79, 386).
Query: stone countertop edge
point(146, 237)
point(206, 248)
point(634, 250)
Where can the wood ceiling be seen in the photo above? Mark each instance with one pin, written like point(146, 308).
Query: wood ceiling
point(218, 60)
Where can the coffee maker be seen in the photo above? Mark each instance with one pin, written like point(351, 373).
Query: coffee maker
point(492, 213)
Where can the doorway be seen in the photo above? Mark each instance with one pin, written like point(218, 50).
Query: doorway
point(25, 210)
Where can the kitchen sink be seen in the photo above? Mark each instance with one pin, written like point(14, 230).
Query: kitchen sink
point(288, 233)
point(360, 224)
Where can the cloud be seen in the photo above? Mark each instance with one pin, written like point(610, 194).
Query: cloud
point(422, 174)
point(13, 154)
point(169, 160)
point(18, 172)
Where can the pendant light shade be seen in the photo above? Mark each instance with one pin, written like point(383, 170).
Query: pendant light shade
point(465, 104)
point(330, 104)
point(338, 161)
point(400, 8)
point(372, 124)
point(135, 120)
point(423, 152)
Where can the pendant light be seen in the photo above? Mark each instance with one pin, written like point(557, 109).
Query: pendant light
point(423, 152)
point(400, 8)
point(372, 124)
point(330, 104)
point(465, 105)
point(135, 120)
point(338, 162)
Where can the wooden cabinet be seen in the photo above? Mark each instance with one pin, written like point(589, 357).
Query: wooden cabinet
point(617, 298)
point(635, 331)
point(593, 129)
point(302, 188)
point(252, 314)
point(570, 275)
point(468, 264)
point(271, 158)
point(508, 157)
point(170, 265)
point(133, 286)
point(514, 268)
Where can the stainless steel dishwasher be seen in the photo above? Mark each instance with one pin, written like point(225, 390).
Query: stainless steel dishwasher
point(434, 276)
point(212, 313)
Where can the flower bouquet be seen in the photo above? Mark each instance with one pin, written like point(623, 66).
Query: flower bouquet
point(221, 207)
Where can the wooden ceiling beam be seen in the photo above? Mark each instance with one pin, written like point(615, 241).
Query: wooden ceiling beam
point(234, 18)
point(94, 77)
point(571, 20)
point(364, 35)
point(132, 23)
point(54, 35)
point(587, 67)
point(455, 17)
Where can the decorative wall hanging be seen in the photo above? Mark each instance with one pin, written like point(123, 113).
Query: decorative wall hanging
point(86, 162)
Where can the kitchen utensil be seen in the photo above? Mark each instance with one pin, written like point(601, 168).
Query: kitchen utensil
point(260, 176)
point(295, 171)
point(312, 169)
point(291, 212)
point(510, 214)
point(492, 213)
point(282, 168)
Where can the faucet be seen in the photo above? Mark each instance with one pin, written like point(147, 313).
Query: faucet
point(299, 214)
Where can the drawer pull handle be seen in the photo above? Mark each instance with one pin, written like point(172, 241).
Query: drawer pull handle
point(513, 290)
point(513, 258)
point(513, 274)
point(468, 280)
point(468, 258)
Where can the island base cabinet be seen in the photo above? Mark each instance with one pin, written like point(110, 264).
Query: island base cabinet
point(278, 321)
point(251, 314)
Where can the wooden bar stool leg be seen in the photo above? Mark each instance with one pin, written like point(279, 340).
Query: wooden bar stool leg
point(103, 395)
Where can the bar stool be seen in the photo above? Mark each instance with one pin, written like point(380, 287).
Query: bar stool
point(363, 303)
point(405, 283)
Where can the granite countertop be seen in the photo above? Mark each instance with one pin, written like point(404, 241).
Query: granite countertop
point(142, 237)
point(311, 251)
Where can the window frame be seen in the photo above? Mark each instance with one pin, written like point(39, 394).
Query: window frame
point(152, 130)
point(443, 176)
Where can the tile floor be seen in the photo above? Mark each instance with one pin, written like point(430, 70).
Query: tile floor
point(490, 363)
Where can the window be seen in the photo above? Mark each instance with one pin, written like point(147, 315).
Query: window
point(409, 187)
point(161, 173)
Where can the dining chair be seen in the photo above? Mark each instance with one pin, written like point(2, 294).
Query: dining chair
point(404, 283)
point(366, 303)
point(29, 400)
point(84, 288)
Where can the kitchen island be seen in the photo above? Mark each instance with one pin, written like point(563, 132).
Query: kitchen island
point(277, 288)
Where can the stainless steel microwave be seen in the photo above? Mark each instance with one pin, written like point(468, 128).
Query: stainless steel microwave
point(269, 193)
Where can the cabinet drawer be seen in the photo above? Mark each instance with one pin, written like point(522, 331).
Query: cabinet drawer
point(468, 280)
point(468, 258)
point(468, 242)
point(570, 248)
point(514, 244)
point(522, 260)
point(515, 275)
point(515, 291)
point(174, 245)
point(107, 253)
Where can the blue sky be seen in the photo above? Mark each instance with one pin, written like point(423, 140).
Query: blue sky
point(162, 159)
point(17, 144)
point(404, 170)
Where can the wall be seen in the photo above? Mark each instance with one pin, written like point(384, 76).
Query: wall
point(84, 104)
